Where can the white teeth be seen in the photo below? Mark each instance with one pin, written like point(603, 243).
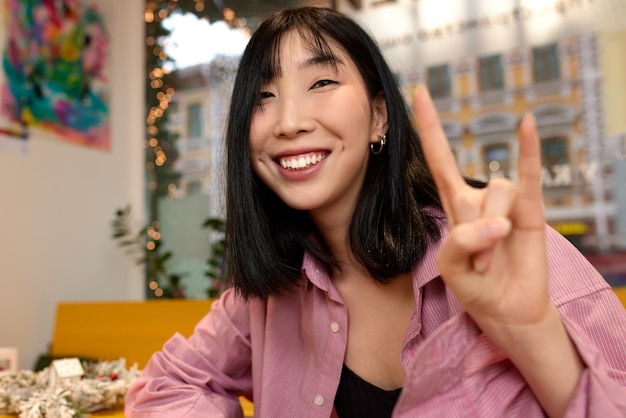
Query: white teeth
point(301, 162)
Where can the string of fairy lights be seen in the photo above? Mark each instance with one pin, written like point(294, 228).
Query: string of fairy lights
point(161, 95)
point(161, 152)
point(155, 13)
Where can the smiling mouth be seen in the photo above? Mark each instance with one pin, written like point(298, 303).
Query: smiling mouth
point(302, 161)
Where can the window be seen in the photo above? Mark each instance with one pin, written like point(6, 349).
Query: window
point(490, 73)
point(194, 188)
point(439, 81)
point(496, 158)
point(546, 63)
point(194, 120)
point(554, 151)
point(555, 161)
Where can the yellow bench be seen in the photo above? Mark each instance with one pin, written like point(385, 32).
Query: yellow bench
point(132, 330)
point(621, 294)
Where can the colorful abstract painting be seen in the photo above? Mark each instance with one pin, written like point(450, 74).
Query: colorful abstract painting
point(54, 60)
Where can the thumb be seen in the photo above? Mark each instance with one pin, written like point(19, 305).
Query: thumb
point(470, 245)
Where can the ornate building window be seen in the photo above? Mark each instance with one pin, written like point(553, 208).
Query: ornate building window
point(439, 80)
point(194, 120)
point(497, 160)
point(555, 161)
point(546, 63)
point(490, 75)
point(494, 133)
point(554, 151)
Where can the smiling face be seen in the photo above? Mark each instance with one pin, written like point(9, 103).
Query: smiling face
point(310, 132)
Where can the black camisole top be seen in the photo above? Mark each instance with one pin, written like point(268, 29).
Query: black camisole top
point(357, 398)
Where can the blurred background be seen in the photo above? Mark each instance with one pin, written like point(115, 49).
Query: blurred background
point(112, 117)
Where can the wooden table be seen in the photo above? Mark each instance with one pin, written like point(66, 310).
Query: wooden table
point(118, 412)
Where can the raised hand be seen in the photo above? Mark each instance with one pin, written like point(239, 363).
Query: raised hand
point(494, 260)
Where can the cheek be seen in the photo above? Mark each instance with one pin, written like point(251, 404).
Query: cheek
point(257, 133)
point(355, 114)
point(352, 124)
point(257, 142)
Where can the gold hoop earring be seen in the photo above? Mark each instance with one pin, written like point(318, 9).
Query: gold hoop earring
point(377, 147)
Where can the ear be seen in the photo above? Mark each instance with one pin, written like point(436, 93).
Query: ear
point(379, 117)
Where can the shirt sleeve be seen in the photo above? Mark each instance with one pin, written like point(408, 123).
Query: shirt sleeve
point(201, 376)
point(458, 371)
point(595, 320)
point(597, 327)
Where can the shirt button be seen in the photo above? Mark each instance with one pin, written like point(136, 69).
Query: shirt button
point(319, 400)
point(334, 327)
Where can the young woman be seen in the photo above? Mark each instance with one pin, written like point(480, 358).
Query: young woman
point(369, 278)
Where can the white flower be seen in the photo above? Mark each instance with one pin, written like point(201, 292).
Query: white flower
point(29, 395)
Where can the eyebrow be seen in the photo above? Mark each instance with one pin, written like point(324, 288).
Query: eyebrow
point(317, 58)
point(321, 59)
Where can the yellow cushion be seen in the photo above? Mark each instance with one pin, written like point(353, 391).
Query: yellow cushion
point(621, 294)
point(132, 330)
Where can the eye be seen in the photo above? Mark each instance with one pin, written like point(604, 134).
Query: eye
point(263, 97)
point(322, 83)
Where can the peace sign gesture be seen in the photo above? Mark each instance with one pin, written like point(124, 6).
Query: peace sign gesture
point(494, 260)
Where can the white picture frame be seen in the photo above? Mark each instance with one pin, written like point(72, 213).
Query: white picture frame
point(8, 359)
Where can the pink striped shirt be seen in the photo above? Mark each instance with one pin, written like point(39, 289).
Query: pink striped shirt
point(287, 353)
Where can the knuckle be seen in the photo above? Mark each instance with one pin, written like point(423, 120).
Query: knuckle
point(502, 185)
point(461, 238)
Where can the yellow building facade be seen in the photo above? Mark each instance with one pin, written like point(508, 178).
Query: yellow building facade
point(560, 83)
point(487, 62)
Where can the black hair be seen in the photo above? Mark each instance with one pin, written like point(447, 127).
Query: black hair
point(265, 238)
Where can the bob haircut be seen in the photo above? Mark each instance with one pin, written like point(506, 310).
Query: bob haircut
point(265, 238)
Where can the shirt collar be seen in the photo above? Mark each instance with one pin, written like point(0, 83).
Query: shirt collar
point(424, 271)
point(315, 274)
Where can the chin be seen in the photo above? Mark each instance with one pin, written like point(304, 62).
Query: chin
point(300, 205)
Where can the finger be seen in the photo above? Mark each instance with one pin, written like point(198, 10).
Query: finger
point(499, 198)
point(498, 201)
point(467, 204)
point(482, 260)
point(434, 143)
point(466, 240)
point(530, 208)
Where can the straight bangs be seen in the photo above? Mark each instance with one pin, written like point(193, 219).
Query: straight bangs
point(314, 39)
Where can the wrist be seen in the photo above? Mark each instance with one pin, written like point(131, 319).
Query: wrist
point(546, 357)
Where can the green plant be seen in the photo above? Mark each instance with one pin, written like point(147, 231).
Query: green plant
point(146, 245)
point(216, 268)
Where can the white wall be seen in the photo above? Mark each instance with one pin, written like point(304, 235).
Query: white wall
point(57, 202)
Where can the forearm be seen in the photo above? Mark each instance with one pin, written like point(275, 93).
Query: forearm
point(546, 357)
point(179, 382)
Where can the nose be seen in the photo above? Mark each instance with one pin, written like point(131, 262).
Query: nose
point(293, 119)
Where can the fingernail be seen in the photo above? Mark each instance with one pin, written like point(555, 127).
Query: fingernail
point(498, 228)
point(527, 116)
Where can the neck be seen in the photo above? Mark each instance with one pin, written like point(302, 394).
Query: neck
point(334, 229)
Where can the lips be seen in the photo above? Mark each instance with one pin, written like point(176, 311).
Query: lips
point(301, 162)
